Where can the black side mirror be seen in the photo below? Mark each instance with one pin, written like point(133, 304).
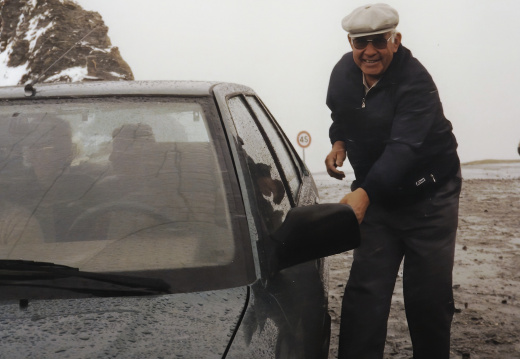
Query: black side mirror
point(313, 232)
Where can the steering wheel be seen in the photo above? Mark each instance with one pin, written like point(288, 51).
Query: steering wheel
point(102, 209)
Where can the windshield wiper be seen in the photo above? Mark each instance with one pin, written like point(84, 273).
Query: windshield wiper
point(20, 264)
point(18, 273)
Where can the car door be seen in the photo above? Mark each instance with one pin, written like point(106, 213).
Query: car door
point(291, 304)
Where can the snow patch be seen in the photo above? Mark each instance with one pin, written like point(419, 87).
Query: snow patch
point(93, 48)
point(491, 171)
point(21, 20)
point(33, 32)
point(10, 76)
point(75, 74)
point(115, 74)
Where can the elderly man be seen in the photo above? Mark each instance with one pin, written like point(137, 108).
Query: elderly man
point(388, 119)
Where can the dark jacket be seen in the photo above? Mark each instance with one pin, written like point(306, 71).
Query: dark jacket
point(399, 144)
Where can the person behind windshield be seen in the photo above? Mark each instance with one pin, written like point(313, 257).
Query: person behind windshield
point(64, 191)
point(388, 118)
point(130, 143)
point(48, 150)
point(52, 150)
point(141, 169)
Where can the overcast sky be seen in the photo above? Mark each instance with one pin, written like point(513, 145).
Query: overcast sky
point(285, 51)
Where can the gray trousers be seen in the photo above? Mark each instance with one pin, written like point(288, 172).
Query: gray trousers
point(424, 235)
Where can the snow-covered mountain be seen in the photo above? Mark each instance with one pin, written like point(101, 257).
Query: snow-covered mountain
point(55, 41)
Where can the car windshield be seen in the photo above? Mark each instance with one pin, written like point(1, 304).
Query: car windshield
point(114, 185)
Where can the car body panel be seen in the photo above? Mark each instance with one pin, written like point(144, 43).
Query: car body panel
point(168, 326)
point(286, 317)
point(109, 88)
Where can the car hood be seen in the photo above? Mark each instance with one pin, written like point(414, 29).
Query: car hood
point(177, 325)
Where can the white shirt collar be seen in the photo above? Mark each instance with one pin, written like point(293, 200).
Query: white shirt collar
point(367, 88)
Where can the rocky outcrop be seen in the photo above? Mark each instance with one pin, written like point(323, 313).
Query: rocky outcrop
point(55, 41)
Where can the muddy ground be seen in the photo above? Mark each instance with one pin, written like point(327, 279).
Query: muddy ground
point(486, 281)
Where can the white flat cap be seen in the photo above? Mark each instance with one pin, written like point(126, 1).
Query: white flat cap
point(370, 20)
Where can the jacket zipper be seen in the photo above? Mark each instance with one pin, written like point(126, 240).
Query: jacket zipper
point(363, 100)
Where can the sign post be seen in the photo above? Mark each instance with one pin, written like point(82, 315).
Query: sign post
point(304, 141)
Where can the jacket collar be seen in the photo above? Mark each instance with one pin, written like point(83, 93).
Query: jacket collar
point(391, 74)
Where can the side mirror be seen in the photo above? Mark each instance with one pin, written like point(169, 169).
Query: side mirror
point(313, 232)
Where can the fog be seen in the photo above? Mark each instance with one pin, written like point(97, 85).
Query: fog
point(285, 51)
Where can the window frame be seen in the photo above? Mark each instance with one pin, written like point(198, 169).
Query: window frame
point(300, 173)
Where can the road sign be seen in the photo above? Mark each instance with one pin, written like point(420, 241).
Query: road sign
point(304, 139)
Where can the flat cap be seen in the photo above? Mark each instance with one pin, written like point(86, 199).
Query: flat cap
point(370, 20)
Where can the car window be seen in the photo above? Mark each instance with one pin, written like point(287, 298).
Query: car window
point(113, 185)
point(288, 167)
point(272, 199)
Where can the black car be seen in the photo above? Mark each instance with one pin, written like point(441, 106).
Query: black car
point(159, 220)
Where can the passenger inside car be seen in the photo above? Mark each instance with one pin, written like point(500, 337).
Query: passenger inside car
point(63, 191)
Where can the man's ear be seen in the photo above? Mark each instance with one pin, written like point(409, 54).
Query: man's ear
point(397, 42)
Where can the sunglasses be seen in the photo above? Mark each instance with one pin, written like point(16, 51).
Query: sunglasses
point(378, 42)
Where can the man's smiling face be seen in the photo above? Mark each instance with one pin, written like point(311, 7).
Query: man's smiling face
point(372, 60)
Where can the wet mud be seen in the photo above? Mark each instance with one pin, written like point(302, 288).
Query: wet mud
point(486, 277)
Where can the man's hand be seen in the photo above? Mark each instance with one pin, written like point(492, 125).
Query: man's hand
point(359, 202)
point(335, 158)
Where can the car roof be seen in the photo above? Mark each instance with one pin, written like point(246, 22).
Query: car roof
point(111, 88)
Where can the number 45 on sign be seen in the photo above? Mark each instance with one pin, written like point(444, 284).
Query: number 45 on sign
point(304, 141)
